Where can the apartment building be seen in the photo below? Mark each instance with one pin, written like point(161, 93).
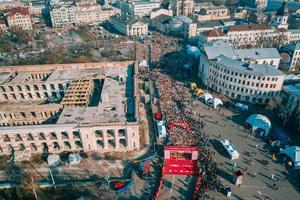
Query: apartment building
point(182, 7)
point(62, 13)
point(138, 8)
point(222, 70)
point(129, 25)
point(249, 34)
point(68, 13)
point(19, 17)
point(212, 13)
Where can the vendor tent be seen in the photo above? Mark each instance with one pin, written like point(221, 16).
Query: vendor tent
point(53, 160)
point(74, 158)
point(294, 154)
point(215, 102)
point(259, 123)
point(206, 97)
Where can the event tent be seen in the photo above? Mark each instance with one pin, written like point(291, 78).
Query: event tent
point(215, 102)
point(259, 122)
point(294, 154)
point(206, 97)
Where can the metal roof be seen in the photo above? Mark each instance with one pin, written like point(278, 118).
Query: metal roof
point(253, 69)
point(257, 53)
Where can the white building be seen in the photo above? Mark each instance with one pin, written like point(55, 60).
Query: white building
point(69, 13)
point(222, 70)
point(62, 13)
point(249, 34)
point(19, 17)
point(139, 8)
point(129, 25)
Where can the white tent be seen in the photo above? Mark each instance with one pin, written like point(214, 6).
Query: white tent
point(294, 154)
point(215, 102)
point(74, 158)
point(206, 97)
point(53, 160)
point(259, 122)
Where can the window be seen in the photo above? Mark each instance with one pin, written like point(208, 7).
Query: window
point(27, 87)
point(267, 85)
point(36, 88)
point(19, 88)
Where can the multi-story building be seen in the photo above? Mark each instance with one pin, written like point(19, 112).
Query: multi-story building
point(212, 13)
point(3, 27)
point(290, 54)
point(221, 70)
point(62, 13)
point(129, 25)
point(37, 7)
point(177, 25)
point(68, 107)
point(93, 13)
point(19, 17)
point(182, 7)
point(249, 34)
point(139, 8)
point(70, 13)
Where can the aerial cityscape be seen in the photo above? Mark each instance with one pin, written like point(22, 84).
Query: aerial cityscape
point(149, 99)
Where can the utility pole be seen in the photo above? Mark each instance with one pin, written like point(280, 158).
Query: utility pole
point(33, 188)
point(53, 182)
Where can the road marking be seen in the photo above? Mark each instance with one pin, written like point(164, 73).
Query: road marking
point(173, 179)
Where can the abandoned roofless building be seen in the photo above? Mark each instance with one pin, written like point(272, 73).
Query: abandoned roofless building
point(68, 107)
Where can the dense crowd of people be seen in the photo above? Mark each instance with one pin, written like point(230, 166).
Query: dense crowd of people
point(161, 45)
point(174, 99)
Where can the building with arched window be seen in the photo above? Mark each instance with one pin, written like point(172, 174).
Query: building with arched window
point(94, 108)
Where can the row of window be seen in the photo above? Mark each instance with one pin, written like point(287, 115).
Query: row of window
point(28, 88)
point(30, 96)
point(243, 89)
point(232, 73)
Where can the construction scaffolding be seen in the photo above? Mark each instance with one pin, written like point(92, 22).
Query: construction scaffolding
point(79, 93)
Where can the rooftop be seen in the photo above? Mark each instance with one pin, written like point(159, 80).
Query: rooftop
point(249, 27)
point(126, 19)
point(18, 11)
point(253, 69)
point(162, 18)
point(212, 23)
point(215, 33)
point(292, 90)
point(257, 53)
point(111, 107)
point(214, 49)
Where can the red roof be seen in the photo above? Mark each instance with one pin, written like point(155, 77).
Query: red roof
point(215, 33)
point(249, 27)
point(18, 10)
